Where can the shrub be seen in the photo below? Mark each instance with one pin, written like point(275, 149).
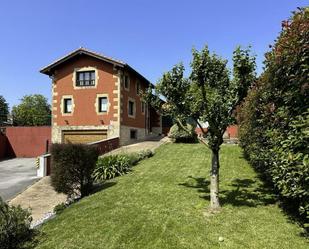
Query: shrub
point(144, 154)
point(15, 229)
point(72, 167)
point(274, 119)
point(134, 158)
point(111, 166)
point(108, 167)
point(179, 135)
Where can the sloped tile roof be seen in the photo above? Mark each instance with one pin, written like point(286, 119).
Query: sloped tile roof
point(79, 51)
point(49, 68)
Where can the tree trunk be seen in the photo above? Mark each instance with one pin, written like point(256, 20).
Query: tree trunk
point(214, 181)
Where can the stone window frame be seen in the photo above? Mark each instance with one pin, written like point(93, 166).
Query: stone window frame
point(96, 104)
point(134, 107)
point(85, 69)
point(63, 97)
point(129, 82)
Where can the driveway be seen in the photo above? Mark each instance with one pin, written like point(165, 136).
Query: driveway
point(149, 144)
point(15, 176)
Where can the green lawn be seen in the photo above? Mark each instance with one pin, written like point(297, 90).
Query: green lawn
point(162, 204)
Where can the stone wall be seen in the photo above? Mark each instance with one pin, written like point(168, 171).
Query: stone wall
point(125, 134)
point(112, 130)
point(156, 130)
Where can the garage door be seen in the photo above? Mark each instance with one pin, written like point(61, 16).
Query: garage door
point(83, 136)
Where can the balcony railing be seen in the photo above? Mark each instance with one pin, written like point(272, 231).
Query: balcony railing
point(85, 82)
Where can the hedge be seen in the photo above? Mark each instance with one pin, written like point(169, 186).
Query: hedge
point(274, 119)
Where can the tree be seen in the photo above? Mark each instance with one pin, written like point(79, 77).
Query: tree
point(4, 110)
point(207, 95)
point(34, 110)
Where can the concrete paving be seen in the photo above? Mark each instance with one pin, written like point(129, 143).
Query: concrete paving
point(15, 176)
point(149, 144)
point(40, 197)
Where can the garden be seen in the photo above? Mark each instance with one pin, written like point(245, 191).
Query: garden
point(161, 204)
point(257, 193)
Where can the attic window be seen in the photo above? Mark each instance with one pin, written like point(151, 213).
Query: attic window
point(85, 78)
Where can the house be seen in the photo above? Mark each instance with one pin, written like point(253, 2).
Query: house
point(95, 97)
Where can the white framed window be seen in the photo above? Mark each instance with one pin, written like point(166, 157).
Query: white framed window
point(67, 104)
point(85, 78)
point(103, 104)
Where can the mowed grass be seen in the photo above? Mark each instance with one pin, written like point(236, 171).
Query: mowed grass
point(163, 204)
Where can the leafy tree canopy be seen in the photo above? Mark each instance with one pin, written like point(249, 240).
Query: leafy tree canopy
point(33, 110)
point(4, 110)
point(209, 94)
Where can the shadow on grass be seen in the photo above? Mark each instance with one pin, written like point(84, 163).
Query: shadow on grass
point(240, 192)
point(101, 186)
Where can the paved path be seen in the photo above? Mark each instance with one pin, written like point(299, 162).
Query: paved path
point(144, 145)
point(15, 176)
point(42, 198)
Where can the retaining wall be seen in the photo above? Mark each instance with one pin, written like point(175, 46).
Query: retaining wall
point(27, 141)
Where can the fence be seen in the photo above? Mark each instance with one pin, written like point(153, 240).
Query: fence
point(106, 145)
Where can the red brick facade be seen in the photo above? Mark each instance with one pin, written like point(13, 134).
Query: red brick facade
point(131, 93)
point(84, 99)
point(109, 82)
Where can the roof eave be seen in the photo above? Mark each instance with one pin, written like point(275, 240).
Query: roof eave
point(48, 69)
point(132, 69)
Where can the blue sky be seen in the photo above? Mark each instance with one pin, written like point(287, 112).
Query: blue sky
point(151, 36)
